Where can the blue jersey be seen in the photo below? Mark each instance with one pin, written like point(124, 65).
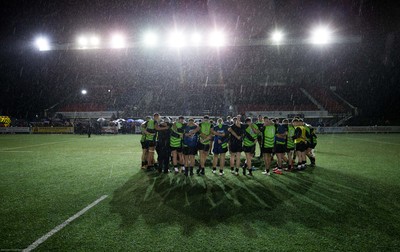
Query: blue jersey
point(187, 140)
point(223, 128)
point(281, 131)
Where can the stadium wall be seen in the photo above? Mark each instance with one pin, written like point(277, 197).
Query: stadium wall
point(286, 114)
point(52, 130)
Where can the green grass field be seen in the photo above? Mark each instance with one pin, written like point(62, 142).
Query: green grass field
point(349, 202)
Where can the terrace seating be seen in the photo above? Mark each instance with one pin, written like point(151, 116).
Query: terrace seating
point(327, 99)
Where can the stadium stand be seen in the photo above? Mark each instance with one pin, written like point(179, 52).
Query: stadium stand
point(327, 99)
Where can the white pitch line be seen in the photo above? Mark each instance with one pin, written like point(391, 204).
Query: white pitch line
point(33, 145)
point(62, 225)
point(372, 141)
point(14, 151)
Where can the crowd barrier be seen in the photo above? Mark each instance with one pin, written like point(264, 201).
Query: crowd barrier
point(109, 130)
point(15, 130)
point(52, 130)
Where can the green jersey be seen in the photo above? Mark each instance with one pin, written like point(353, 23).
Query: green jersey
point(268, 135)
point(290, 142)
point(176, 135)
point(205, 132)
point(250, 136)
point(308, 135)
point(151, 129)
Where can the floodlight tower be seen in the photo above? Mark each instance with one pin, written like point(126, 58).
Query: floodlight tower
point(277, 37)
point(42, 44)
point(321, 35)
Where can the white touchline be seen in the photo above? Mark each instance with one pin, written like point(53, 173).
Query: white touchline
point(14, 151)
point(35, 145)
point(62, 225)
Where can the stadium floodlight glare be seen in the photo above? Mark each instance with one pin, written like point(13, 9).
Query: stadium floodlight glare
point(217, 39)
point(150, 39)
point(94, 41)
point(118, 41)
point(176, 39)
point(84, 91)
point(196, 39)
point(83, 41)
point(42, 44)
point(277, 37)
point(321, 35)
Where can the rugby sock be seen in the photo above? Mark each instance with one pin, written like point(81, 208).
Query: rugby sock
point(221, 171)
point(214, 168)
point(237, 170)
point(232, 168)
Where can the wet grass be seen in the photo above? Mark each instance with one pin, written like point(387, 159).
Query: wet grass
point(349, 202)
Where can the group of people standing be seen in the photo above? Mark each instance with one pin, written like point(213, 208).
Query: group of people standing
point(180, 141)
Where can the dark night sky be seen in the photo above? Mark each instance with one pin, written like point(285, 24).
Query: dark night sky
point(375, 21)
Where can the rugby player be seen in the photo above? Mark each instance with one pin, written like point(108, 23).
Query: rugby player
point(289, 144)
point(190, 145)
point(163, 146)
point(312, 142)
point(204, 143)
point(150, 130)
point(142, 142)
point(220, 132)
point(176, 144)
point(235, 144)
point(260, 124)
point(268, 132)
point(300, 140)
point(249, 143)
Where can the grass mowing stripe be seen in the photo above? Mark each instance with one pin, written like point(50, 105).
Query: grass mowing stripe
point(62, 225)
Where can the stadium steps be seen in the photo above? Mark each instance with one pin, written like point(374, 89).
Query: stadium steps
point(343, 120)
point(312, 99)
point(355, 109)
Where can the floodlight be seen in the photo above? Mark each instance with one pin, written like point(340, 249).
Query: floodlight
point(277, 37)
point(117, 41)
point(84, 91)
point(176, 39)
point(94, 41)
point(321, 35)
point(42, 44)
point(83, 41)
point(217, 39)
point(150, 39)
point(195, 39)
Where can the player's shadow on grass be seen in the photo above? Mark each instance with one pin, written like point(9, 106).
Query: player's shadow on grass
point(208, 200)
point(319, 199)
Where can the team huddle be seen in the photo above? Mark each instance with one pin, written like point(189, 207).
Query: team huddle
point(180, 141)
